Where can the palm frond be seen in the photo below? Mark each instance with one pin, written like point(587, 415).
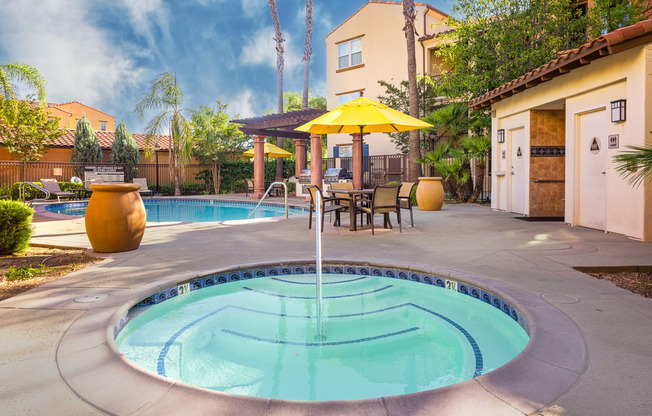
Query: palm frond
point(163, 92)
point(635, 164)
point(21, 72)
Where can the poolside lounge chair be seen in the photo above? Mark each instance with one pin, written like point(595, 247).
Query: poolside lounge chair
point(327, 205)
point(53, 188)
point(144, 190)
point(404, 198)
point(383, 201)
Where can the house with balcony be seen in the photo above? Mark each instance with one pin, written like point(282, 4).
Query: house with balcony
point(370, 46)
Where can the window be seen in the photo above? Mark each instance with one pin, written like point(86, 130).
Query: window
point(103, 125)
point(345, 98)
point(349, 53)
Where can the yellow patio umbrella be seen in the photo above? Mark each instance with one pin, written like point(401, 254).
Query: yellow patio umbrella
point(363, 115)
point(269, 150)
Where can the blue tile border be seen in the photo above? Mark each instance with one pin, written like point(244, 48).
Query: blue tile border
point(278, 272)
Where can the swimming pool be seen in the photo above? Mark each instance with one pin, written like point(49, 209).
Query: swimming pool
point(190, 210)
point(386, 334)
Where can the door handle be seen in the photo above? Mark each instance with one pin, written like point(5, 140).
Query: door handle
point(512, 173)
point(604, 173)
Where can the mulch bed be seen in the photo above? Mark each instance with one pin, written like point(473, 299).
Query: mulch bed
point(634, 281)
point(48, 263)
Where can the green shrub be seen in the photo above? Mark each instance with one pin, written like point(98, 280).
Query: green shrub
point(31, 193)
point(24, 272)
point(187, 188)
point(15, 226)
point(5, 190)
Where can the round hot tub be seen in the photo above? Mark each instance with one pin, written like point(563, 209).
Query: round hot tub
point(385, 331)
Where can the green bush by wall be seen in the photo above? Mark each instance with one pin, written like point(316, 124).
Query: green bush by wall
point(15, 226)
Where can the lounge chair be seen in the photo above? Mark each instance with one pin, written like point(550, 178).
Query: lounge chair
point(144, 190)
point(405, 197)
point(327, 205)
point(383, 201)
point(52, 186)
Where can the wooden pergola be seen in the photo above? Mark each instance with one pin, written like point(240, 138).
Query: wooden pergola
point(283, 125)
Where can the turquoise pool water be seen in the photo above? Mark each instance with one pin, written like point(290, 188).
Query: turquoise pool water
point(192, 210)
point(384, 336)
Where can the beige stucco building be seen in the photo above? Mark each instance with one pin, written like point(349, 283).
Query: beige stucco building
point(370, 46)
point(556, 129)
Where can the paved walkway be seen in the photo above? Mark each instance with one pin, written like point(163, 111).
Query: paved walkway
point(536, 257)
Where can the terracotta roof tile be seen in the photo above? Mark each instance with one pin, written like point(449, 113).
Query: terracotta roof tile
point(105, 138)
point(569, 60)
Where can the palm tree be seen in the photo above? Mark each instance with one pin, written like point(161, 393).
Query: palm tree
point(635, 164)
point(278, 37)
point(165, 96)
point(20, 72)
point(307, 53)
point(410, 14)
point(476, 148)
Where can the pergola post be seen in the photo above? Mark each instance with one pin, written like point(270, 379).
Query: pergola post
point(299, 156)
point(259, 167)
point(315, 160)
point(357, 161)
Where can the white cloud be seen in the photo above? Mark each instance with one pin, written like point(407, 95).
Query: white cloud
point(146, 16)
point(260, 49)
point(253, 8)
point(74, 55)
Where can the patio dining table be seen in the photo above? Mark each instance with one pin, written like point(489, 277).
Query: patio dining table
point(352, 193)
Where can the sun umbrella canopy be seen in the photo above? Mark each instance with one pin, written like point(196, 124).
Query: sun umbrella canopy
point(371, 116)
point(270, 150)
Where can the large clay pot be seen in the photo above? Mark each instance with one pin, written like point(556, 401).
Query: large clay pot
point(115, 217)
point(430, 194)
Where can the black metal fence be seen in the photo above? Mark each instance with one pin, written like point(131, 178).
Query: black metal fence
point(16, 171)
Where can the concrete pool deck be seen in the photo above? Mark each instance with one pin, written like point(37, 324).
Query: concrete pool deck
point(52, 353)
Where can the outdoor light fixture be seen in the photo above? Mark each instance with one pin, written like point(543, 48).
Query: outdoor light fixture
point(501, 136)
point(618, 111)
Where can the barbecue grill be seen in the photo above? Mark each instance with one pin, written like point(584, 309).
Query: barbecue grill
point(304, 177)
point(335, 174)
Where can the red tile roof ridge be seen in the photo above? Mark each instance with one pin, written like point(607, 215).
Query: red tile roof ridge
point(605, 41)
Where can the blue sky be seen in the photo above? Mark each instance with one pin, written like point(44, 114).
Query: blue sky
point(104, 52)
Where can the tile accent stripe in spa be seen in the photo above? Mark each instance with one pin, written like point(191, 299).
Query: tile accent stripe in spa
point(425, 278)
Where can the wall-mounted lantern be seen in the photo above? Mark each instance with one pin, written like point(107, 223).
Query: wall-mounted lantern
point(501, 136)
point(618, 112)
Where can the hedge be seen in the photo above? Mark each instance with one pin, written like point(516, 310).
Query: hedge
point(15, 226)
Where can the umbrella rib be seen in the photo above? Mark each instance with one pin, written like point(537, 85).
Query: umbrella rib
point(341, 127)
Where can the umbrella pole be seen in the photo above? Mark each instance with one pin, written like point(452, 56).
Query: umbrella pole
point(318, 298)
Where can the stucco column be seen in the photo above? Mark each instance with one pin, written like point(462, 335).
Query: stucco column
point(259, 167)
point(357, 161)
point(315, 160)
point(299, 156)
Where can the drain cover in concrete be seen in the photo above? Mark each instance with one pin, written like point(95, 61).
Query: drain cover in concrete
point(91, 298)
point(559, 298)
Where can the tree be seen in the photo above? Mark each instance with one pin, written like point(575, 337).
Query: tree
point(165, 96)
point(397, 97)
point(307, 53)
point(86, 148)
point(26, 130)
point(217, 140)
point(495, 41)
point(278, 37)
point(477, 148)
point(635, 164)
point(410, 13)
point(125, 150)
point(20, 72)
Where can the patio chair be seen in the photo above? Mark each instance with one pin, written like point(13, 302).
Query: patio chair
point(327, 205)
point(344, 198)
point(405, 199)
point(250, 187)
point(383, 201)
point(53, 188)
point(278, 190)
point(144, 190)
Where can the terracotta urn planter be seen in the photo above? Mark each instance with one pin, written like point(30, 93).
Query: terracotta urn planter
point(115, 217)
point(430, 194)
